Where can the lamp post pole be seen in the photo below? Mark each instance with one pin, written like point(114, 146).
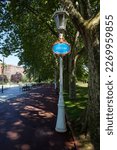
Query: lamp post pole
point(61, 123)
point(55, 78)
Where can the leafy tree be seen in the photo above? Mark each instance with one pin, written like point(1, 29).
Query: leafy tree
point(3, 79)
point(34, 52)
point(86, 18)
point(16, 77)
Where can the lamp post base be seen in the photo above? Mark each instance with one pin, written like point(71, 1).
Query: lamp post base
point(60, 130)
point(61, 123)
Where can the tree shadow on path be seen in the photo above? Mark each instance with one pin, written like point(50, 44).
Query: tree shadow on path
point(28, 122)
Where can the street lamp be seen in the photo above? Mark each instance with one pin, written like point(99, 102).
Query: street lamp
point(61, 47)
point(60, 17)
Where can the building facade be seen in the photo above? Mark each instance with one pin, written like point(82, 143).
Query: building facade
point(11, 70)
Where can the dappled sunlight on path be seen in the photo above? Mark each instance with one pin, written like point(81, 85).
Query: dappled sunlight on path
point(28, 122)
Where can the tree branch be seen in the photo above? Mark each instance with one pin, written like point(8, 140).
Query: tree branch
point(36, 13)
point(93, 22)
point(78, 19)
point(74, 13)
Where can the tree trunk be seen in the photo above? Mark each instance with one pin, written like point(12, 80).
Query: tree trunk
point(89, 29)
point(72, 77)
point(93, 102)
point(92, 116)
point(66, 74)
point(93, 107)
point(90, 34)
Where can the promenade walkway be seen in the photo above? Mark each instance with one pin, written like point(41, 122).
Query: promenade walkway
point(28, 122)
point(10, 92)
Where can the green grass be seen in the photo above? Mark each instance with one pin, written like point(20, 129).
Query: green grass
point(74, 108)
point(75, 111)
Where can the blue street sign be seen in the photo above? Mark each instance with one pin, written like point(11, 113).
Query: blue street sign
point(61, 48)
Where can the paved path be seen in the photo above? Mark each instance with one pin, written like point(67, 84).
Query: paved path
point(10, 92)
point(28, 122)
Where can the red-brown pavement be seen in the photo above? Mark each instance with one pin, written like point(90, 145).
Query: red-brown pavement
point(28, 122)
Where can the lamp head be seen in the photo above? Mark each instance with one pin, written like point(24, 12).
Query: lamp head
point(60, 17)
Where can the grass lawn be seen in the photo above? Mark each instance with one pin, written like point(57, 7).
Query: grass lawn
point(75, 109)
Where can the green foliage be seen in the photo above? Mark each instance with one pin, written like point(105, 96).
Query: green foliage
point(29, 29)
point(3, 79)
point(82, 70)
point(28, 34)
point(31, 32)
point(24, 79)
point(87, 8)
point(9, 40)
point(75, 114)
point(16, 78)
point(76, 108)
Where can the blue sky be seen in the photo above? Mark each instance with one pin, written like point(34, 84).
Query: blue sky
point(11, 60)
